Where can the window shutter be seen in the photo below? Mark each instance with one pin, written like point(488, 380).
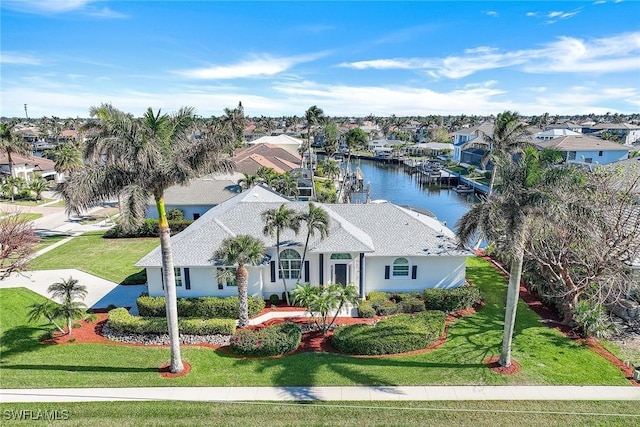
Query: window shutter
point(387, 270)
point(306, 271)
point(414, 271)
point(321, 269)
point(162, 277)
point(187, 279)
point(273, 271)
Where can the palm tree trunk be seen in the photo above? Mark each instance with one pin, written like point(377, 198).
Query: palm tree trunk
point(170, 287)
point(513, 292)
point(284, 281)
point(493, 179)
point(69, 325)
point(243, 303)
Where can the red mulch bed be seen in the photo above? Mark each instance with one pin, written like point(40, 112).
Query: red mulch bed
point(493, 363)
point(166, 373)
point(552, 319)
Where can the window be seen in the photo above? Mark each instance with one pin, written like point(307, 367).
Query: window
point(290, 264)
point(178, 273)
point(401, 267)
point(599, 153)
point(226, 276)
point(196, 216)
point(571, 155)
point(341, 256)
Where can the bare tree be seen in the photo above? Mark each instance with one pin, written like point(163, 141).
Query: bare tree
point(17, 242)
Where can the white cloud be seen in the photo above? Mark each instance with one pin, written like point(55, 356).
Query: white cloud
point(382, 64)
point(492, 13)
point(45, 7)
point(256, 66)
point(18, 59)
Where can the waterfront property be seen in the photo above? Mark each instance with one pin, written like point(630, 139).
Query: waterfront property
point(586, 149)
point(376, 246)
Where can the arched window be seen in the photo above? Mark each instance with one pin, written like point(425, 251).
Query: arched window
point(290, 262)
point(401, 267)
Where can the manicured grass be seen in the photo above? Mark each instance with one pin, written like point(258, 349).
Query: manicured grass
point(111, 259)
point(360, 414)
point(48, 241)
point(546, 356)
point(25, 202)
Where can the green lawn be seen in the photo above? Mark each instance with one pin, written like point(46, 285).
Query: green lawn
point(25, 202)
point(547, 357)
point(111, 259)
point(357, 414)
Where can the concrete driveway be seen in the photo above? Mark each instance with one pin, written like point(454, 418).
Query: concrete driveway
point(101, 293)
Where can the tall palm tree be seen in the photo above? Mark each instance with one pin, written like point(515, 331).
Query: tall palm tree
point(317, 221)
point(275, 222)
point(314, 116)
point(507, 138)
point(356, 139)
point(136, 159)
point(241, 251)
point(67, 290)
point(11, 143)
point(524, 193)
point(67, 158)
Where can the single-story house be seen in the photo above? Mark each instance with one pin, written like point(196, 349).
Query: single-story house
point(283, 141)
point(375, 246)
point(197, 197)
point(586, 149)
point(249, 159)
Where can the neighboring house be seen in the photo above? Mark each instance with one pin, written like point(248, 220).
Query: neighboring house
point(472, 140)
point(377, 246)
point(428, 149)
point(573, 127)
point(28, 166)
point(248, 160)
point(197, 197)
point(626, 133)
point(283, 141)
point(586, 149)
point(554, 133)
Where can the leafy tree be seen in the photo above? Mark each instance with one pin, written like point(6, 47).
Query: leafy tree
point(321, 301)
point(331, 134)
point(17, 242)
point(241, 251)
point(316, 220)
point(505, 216)
point(144, 157)
point(507, 138)
point(276, 221)
point(67, 291)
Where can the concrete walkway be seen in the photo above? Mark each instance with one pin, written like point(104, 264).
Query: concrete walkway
point(235, 394)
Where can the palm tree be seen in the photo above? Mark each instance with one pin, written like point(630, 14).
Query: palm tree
point(508, 132)
point(314, 116)
point(356, 138)
point(275, 222)
point(11, 143)
point(241, 251)
point(316, 220)
point(38, 184)
point(48, 310)
point(67, 158)
point(287, 184)
point(524, 192)
point(142, 158)
point(67, 291)
point(249, 181)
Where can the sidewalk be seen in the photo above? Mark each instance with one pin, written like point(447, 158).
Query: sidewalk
point(240, 394)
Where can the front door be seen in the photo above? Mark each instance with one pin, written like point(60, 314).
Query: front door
point(340, 273)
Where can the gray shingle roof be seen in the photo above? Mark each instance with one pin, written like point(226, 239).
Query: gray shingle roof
point(377, 229)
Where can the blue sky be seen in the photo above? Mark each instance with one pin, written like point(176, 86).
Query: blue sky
point(349, 58)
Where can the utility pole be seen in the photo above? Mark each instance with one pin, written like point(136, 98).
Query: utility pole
point(25, 111)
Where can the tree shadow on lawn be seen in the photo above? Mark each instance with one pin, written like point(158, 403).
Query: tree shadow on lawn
point(77, 368)
point(21, 339)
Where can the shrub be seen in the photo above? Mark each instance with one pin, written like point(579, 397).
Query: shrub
point(202, 307)
point(269, 341)
point(366, 310)
point(175, 215)
point(396, 334)
point(411, 304)
point(148, 229)
point(274, 299)
point(376, 296)
point(449, 300)
point(121, 320)
point(385, 308)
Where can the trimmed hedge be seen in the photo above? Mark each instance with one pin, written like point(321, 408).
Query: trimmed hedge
point(450, 300)
point(377, 296)
point(121, 320)
point(396, 334)
point(148, 229)
point(203, 307)
point(269, 341)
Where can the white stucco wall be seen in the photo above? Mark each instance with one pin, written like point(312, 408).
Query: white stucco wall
point(432, 272)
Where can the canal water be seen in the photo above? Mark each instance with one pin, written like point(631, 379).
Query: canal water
point(390, 182)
